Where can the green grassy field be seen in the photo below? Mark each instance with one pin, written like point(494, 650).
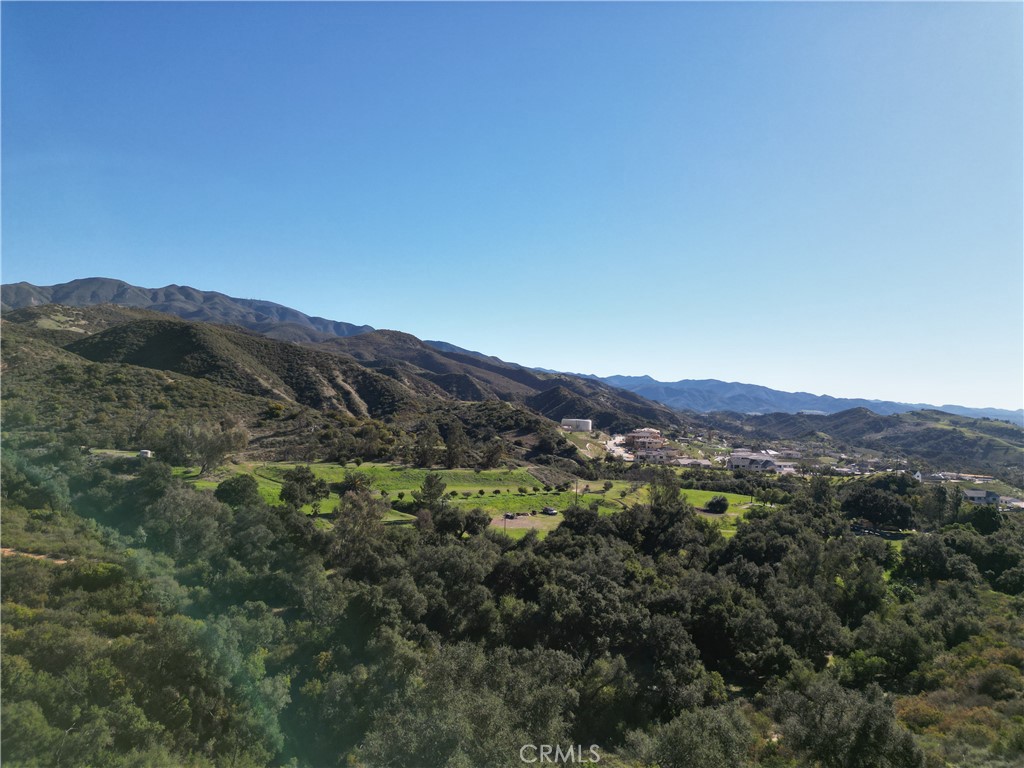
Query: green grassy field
point(701, 498)
point(738, 508)
point(394, 479)
point(269, 478)
point(467, 484)
point(592, 447)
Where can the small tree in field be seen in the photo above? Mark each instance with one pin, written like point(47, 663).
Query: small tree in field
point(430, 493)
point(301, 487)
point(238, 491)
point(717, 505)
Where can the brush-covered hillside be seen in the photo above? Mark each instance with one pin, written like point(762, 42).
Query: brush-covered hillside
point(119, 377)
point(936, 438)
point(250, 364)
point(377, 374)
point(51, 392)
point(462, 373)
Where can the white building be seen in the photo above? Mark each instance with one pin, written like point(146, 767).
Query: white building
point(577, 425)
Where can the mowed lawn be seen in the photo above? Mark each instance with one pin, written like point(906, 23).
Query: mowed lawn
point(269, 479)
point(396, 479)
point(700, 499)
point(467, 484)
point(738, 507)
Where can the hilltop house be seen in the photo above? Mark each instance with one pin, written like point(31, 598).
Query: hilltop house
point(978, 496)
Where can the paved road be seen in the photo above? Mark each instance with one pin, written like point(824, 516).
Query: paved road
point(615, 447)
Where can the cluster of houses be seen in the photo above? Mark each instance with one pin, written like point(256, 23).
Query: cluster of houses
point(648, 445)
point(651, 447)
point(978, 496)
point(760, 461)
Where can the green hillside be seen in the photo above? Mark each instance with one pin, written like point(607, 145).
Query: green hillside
point(927, 438)
point(248, 363)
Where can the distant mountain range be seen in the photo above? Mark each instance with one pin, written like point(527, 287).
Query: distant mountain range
point(285, 324)
point(706, 395)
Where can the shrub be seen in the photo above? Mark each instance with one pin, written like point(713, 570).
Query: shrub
point(717, 505)
point(918, 714)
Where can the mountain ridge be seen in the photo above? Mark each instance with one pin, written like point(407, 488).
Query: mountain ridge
point(709, 395)
point(266, 317)
point(376, 374)
point(282, 323)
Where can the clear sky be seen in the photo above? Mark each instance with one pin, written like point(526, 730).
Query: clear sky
point(817, 197)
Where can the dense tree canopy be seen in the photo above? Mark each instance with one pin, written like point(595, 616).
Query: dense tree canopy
point(177, 626)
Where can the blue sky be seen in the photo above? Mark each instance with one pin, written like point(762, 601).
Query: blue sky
point(817, 197)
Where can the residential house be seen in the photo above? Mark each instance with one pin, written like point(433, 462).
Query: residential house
point(978, 496)
point(646, 438)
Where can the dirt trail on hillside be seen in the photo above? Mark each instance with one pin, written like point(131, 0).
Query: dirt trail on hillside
point(7, 551)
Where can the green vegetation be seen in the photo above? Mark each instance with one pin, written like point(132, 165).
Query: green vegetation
point(925, 438)
point(748, 641)
point(257, 608)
